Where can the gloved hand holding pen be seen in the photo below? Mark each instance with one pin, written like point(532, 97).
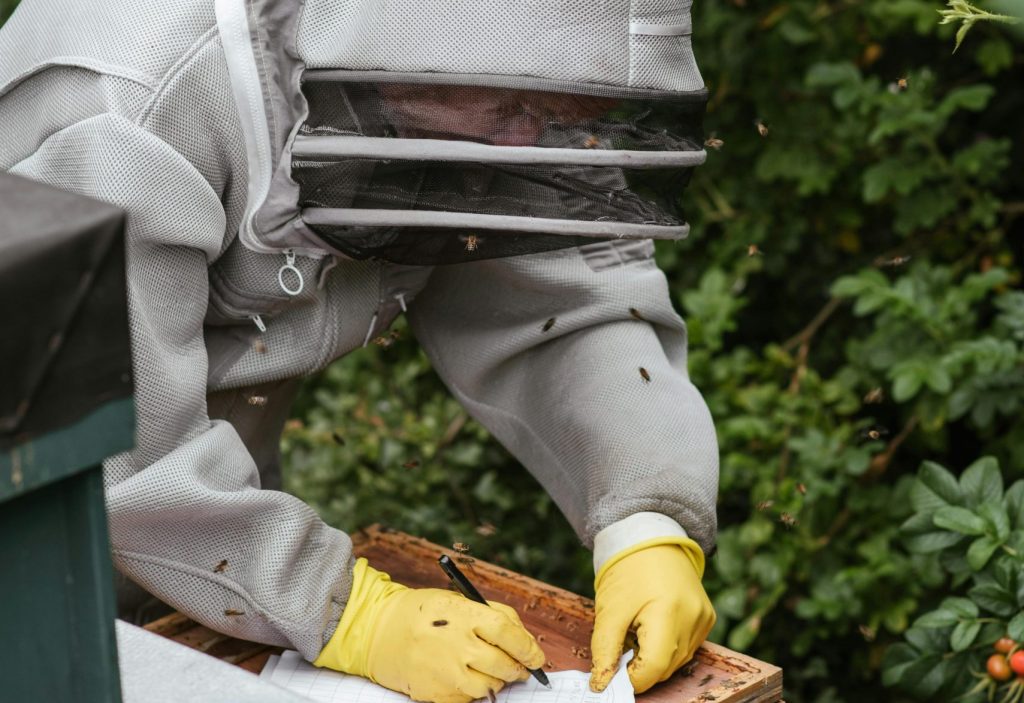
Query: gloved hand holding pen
point(653, 589)
point(431, 644)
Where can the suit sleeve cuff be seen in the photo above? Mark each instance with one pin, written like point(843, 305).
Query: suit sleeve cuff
point(637, 528)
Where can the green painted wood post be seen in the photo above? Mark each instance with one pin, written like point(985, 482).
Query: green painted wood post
point(65, 406)
point(57, 593)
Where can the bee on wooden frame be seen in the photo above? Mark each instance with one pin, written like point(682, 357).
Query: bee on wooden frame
point(471, 241)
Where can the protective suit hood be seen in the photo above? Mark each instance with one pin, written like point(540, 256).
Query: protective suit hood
point(437, 131)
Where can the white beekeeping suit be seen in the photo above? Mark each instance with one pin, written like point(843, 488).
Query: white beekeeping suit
point(295, 177)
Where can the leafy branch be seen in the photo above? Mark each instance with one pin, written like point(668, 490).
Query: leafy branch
point(968, 15)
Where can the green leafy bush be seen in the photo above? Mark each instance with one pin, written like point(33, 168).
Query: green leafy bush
point(973, 532)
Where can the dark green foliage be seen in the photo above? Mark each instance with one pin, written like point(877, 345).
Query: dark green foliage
point(973, 533)
point(6, 8)
point(852, 286)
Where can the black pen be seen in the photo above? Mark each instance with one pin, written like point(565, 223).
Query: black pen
point(467, 589)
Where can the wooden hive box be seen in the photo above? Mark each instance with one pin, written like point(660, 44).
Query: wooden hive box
point(562, 622)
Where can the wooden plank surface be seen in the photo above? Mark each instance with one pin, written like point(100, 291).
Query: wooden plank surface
point(562, 622)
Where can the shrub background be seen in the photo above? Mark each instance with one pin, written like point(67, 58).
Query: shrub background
point(852, 287)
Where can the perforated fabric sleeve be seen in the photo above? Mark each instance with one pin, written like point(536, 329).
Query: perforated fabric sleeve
point(187, 518)
point(599, 407)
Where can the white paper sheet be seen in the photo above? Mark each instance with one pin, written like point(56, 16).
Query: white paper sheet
point(292, 672)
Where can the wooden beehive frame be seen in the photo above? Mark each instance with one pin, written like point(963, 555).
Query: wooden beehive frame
point(561, 620)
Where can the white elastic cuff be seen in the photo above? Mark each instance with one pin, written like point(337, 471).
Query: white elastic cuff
point(634, 529)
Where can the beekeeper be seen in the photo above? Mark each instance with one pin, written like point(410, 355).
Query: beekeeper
point(296, 175)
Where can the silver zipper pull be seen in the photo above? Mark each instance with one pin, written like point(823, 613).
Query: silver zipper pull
point(289, 267)
point(260, 324)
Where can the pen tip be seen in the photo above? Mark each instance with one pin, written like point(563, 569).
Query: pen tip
point(547, 685)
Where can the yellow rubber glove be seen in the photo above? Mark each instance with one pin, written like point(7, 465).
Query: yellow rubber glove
point(654, 589)
point(430, 644)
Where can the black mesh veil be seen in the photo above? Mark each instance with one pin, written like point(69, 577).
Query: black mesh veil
point(503, 163)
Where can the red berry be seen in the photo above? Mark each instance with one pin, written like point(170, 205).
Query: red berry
point(1004, 645)
point(1017, 663)
point(997, 667)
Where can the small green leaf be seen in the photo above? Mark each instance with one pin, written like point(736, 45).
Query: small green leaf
point(937, 618)
point(1015, 504)
point(898, 659)
point(963, 607)
point(959, 520)
point(940, 482)
point(995, 515)
point(930, 542)
point(982, 482)
point(939, 380)
point(906, 386)
point(744, 634)
point(994, 599)
point(964, 635)
point(1016, 627)
point(980, 551)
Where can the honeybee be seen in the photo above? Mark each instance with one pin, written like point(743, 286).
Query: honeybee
point(592, 142)
point(219, 569)
point(461, 547)
point(388, 340)
point(875, 395)
point(765, 504)
point(902, 83)
point(714, 143)
point(801, 488)
point(548, 325)
point(636, 314)
point(754, 250)
point(875, 433)
point(892, 263)
point(762, 128)
point(260, 346)
point(258, 401)
point(788, 520)
point(472, 242)
point(645, 375)
point(486, 529)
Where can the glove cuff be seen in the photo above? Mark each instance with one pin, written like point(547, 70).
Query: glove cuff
point(630, 531)
point(690, 549)
point(349, 646)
